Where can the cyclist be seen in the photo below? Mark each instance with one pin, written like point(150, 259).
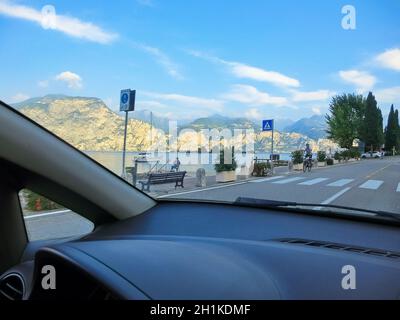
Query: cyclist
point(308, 152)
point(307, 157)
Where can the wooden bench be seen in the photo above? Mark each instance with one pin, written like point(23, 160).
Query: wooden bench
point(162, 178)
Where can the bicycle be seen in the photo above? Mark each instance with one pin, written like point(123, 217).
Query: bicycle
point(307, 165)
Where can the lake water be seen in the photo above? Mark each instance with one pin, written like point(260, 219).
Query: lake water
point(190, 162)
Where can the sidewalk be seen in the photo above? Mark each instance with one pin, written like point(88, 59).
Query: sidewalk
point(190, 183)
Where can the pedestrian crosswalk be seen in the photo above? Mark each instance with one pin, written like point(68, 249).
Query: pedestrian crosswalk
point(266, 179)
point(328, 182)
point(313, 181)
point(284, 181)
point(371, 184)
point(340, 183)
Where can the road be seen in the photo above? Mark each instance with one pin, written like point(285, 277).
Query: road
point(56, 224)
point(370, 184)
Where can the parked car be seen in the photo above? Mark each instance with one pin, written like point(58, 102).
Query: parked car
point(370, 154)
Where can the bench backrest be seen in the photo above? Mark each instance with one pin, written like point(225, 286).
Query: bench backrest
point(168, 176)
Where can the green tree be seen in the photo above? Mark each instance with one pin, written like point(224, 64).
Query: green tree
point(380, 134)
point(372, 127)
point(391, 131)
point(345, 119)
point(396, 120)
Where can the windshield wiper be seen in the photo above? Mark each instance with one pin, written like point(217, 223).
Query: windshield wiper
point(264, 203)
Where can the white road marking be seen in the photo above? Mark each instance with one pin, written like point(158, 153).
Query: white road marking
point(265, 179)
point(340, 183)
point(371, 184)
point(398, 188)
point(205, 189)
point(46, 214)
point(284, 181)
point(312, 182)
point(333, 198)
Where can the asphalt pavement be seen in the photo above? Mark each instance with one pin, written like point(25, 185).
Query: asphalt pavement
point(369, 184)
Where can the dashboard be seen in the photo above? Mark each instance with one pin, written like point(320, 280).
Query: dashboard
point(214, 251)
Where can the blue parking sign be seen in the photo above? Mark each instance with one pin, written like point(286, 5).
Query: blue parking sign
point(127, 100)
point(268, 125)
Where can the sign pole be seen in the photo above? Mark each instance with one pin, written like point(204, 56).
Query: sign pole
point(268, 125)
point(272, 144)
point(124, 150)
point(127, 103)
point(272, 149)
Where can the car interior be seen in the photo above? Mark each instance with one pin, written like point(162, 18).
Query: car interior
point(145, 249)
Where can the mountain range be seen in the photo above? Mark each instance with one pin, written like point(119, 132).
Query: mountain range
point(88, 124)
point(314, 127)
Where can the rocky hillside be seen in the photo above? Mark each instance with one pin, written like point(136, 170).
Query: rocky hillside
point(219, 122)
point(88, 124)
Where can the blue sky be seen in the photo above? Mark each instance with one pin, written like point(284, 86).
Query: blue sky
point(187, 59)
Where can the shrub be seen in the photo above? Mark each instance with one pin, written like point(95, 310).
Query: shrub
point(321, 156)
point(297, 156)
point(350, 153)
point(221, 166)
point(329, 162)
point(36, 202)
point(261, 168)
point(337, 156)
point(345, 154)
point(354, 153)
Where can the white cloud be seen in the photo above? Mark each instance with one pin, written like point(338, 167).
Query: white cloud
point(389, 59)
point(362, 80)
point(249, 72)
point(319, 95)
point(152, 104)
point(65, 24)
point(252, 96)
point(188, 101)
point(388, 95)
point(43, 83)
point(73, 80)
point(241, 70)
point(19, 97)
point(253, 113)
point(316, 110)
point(162, 59)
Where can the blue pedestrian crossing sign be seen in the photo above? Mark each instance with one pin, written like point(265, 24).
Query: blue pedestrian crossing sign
point(268, 125)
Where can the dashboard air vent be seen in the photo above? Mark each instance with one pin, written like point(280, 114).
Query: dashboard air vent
point(343, 247)
point(11, 287)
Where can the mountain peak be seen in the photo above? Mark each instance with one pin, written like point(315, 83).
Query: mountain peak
point(315, 127)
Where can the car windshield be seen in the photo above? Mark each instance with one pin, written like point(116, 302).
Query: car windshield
point(285, 101)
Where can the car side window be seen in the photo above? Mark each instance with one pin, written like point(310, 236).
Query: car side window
point(46, 219)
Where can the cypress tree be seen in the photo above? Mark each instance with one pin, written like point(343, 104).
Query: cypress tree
point(396, 119)
point(391, 132)
point(372, 132)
